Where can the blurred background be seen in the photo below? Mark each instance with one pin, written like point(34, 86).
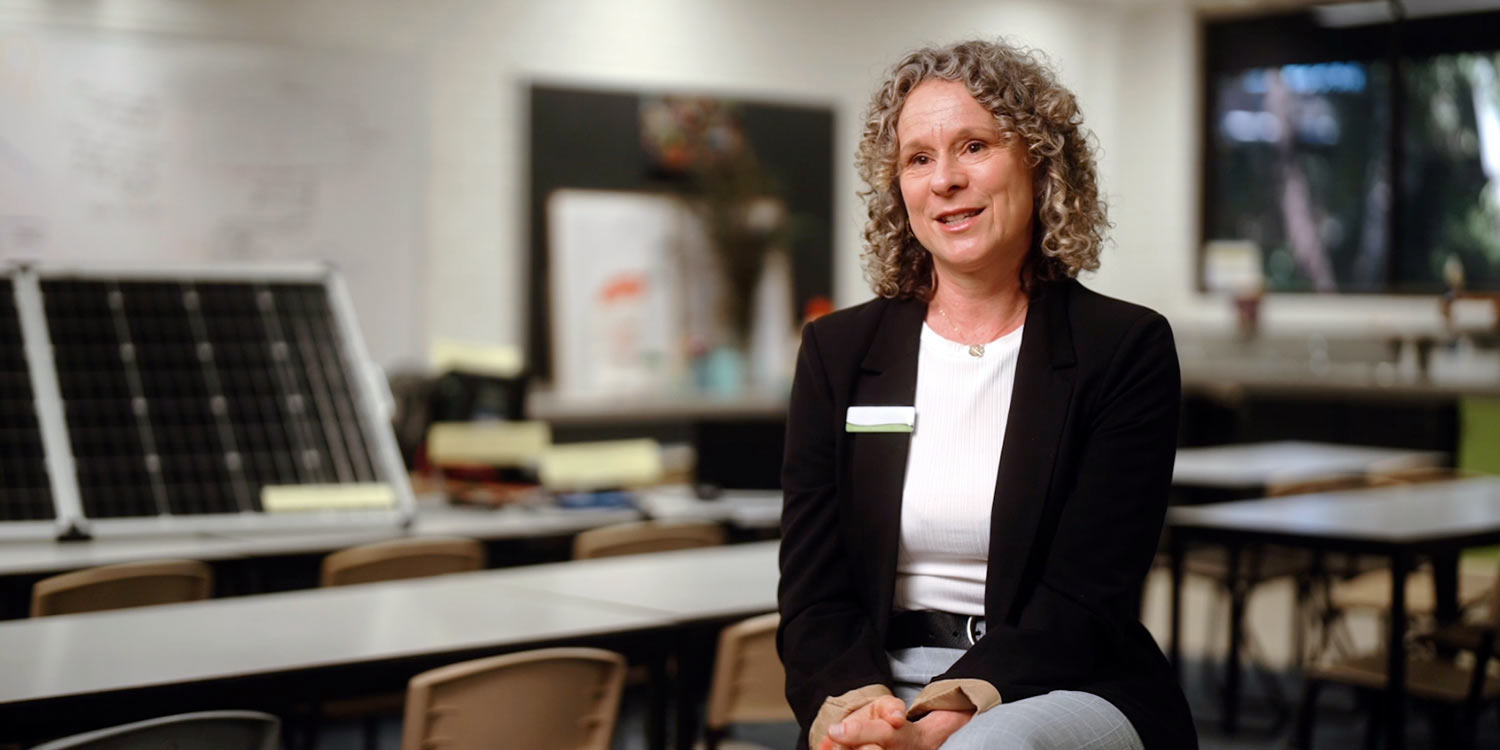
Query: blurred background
point(600, 223)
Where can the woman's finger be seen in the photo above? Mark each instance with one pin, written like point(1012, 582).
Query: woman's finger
point(893, 711)
point(857, 732)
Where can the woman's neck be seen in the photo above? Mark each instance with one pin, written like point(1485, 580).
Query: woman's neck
point(974, 311)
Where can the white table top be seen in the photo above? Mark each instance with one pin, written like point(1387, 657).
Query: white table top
point(510, 522)
point(714, 582)
point(747, 509)
point(42, 556)
point(270, 633)
point(1396, 514)
point(220, 639)
point(1261, 464)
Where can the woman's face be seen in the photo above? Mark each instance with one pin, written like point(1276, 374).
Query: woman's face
point(968, 191)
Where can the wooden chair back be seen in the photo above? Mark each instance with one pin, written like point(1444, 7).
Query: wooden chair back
point(645, 536)
point(397, 559)
point(548, 699)
point(749, 683)
point(135, 584)
point(1320, 484)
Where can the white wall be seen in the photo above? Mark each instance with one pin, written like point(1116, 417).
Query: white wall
point(1133, 65)
point(823, 52)
point(482, 53)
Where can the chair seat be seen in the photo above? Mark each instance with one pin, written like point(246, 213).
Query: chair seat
point(1372, 591)
point(1425, 677)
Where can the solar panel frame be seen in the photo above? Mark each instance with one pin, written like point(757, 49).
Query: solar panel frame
point(57, 457)
point(346, 355)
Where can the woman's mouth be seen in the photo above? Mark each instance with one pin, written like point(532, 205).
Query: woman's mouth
point(958, 217)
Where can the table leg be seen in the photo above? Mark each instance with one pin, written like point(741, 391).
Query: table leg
point(1445, 586)
point(660, 696)
point(695, 648)
point(1236, 638)
point(1177, 551)
point(1395, 689)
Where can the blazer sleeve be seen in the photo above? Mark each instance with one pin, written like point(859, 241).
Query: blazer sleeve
point(1105, 534)
point(826, 640)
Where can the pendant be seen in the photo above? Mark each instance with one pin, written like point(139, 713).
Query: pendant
point(976, 350)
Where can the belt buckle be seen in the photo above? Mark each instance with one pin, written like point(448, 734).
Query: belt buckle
point(969, 629)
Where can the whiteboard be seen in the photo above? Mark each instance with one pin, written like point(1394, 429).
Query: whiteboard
point(635, 290)
point(174, 149)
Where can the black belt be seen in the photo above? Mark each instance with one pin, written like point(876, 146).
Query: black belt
point(912, 628)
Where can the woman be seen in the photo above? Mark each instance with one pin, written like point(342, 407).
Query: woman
point(965, 569)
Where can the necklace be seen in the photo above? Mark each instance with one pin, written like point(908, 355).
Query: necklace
point(975, 350)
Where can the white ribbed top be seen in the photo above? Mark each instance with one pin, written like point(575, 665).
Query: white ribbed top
point(962, 406)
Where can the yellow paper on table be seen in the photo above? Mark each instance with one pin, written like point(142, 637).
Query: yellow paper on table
point(476, 359)
point(600, 465)
point(502, 444)
point(310, 497)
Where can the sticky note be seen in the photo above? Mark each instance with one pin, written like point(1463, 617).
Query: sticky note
point(504, 444)
point(613, 463)
point(476, 359)
point(310, 497)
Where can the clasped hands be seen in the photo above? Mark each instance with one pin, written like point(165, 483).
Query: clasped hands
point(882, 725)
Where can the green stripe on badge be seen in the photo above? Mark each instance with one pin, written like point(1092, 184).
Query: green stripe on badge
point(851, 427)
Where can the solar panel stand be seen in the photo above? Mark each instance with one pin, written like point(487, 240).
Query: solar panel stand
point(68, 521)
point(374, 393)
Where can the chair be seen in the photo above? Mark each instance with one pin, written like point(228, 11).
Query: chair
point(391, 560)
point(398, 559)
point(749, 682)
point(136, 584)
point(1370, 590)
point(645, 536)
point(639, 537)
point(1452, 674)
point(206, 730)
point(548, 699)
point(1258, 565)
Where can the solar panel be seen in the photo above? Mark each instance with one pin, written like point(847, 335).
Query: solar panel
point(191, 396)
point(25, 487)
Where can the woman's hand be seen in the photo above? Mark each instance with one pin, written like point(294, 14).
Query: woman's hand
point(877, 720)
point(882, 725)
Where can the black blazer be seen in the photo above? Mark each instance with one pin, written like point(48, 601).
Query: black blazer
point(1079, 502)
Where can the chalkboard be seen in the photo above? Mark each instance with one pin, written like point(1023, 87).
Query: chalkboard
point(169, 149)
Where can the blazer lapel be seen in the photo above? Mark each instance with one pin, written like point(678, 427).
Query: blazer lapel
point(877, 465)
point(1038, 412)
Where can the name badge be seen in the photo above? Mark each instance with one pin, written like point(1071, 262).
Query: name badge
point(880, 419)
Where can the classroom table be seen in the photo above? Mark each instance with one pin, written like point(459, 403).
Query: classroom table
point(44, 556)
point(246, 560)
point(751, 510)
point(288, 645)
point(1252, 467)
point(1403, 523)
point(484, 524)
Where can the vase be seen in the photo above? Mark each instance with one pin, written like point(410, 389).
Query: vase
point(721, 372)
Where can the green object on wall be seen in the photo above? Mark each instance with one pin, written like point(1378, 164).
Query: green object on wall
point(1479, 450)
point(1479, 437)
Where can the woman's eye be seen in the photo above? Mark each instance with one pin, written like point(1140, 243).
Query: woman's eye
point(920, 159)
point(974, 147)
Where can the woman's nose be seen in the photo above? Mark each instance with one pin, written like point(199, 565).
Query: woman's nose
point(947, 176)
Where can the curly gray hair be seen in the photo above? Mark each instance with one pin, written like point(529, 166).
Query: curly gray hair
point(1028, 104)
